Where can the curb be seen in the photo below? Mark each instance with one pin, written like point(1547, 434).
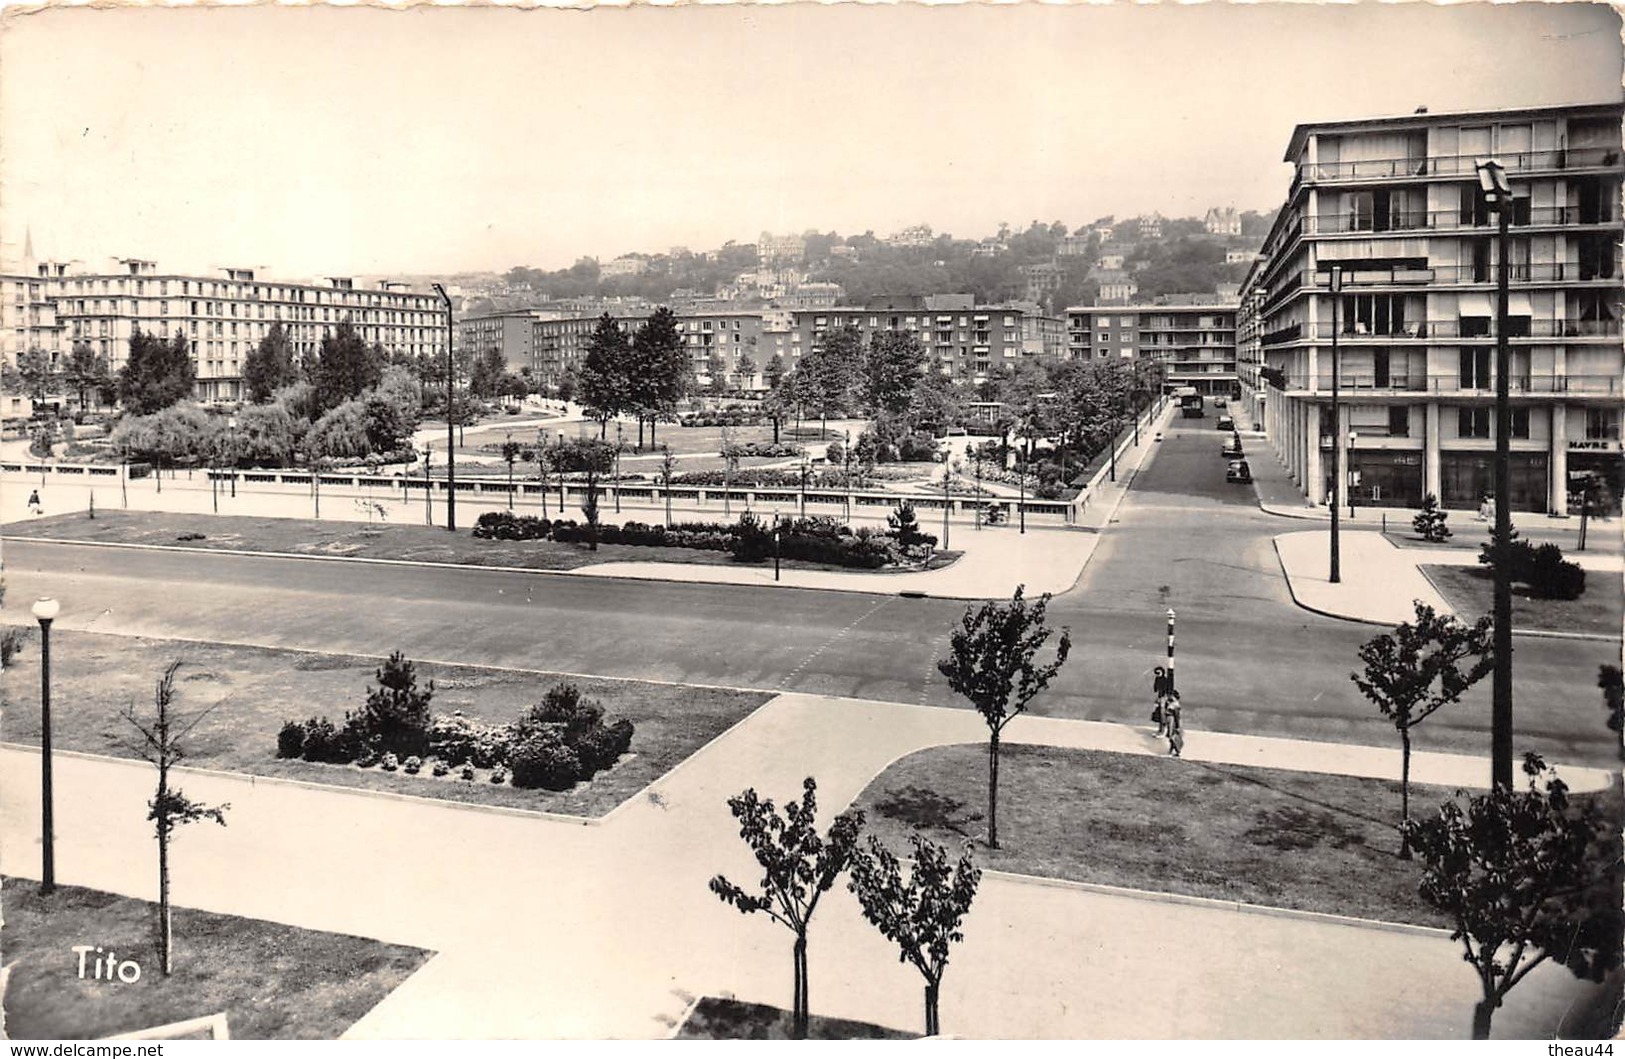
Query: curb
point(1218, 904)
point(1293, 592)
point(1539, 634)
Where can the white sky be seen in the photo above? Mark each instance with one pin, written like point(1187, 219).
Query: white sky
point(336, 141)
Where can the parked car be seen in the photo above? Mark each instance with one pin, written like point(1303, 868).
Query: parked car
point(1238, 471)
point(1218, 402)
point(1226, 423)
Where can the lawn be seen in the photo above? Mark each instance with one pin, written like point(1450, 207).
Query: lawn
point(272, 981)
point(254, 690)
point(716, 1019)
point(1470, 591)
point(424, 544)
point(1306, 841)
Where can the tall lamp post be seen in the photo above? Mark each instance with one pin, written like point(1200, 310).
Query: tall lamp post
point(1337, 427)
point(1492, 179)
point(451, 430)
point(428, 487)
point(45, 611)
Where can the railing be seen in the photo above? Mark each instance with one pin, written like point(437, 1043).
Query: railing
point(1515, 162)
point(1451, 383)
point(1456, 219)
point(1524, 272)
point(1466, 328)
point(1282, 335)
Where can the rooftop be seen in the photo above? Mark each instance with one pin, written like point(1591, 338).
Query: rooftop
point(1422, 118)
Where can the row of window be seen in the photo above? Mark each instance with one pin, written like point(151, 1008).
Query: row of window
point(256, 292)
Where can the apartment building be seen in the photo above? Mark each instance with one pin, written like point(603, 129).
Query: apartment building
point(510, 334)
point(963, 340)
point(1394, 206)
point(222, 316)
point(1196, 344)
point(558, 343)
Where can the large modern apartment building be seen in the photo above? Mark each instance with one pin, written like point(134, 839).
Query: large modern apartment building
point(50, 306)
point(1395, 206)
point(1195, 343)
point(962, 339)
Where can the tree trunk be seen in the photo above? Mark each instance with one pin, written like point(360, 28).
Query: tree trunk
point(164, 925)
point(1404, 793)
point(775, 430)
point(993, 790)
point(651, 432)
point(640, 433)
point(798, 1004)
point(1481, 1019)
point(932, 1026)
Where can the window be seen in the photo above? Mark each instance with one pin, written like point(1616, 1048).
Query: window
point(1520, 423)
point(1399, 421)
point(1473, 422)
point(1475, 369)
point(1602, 424)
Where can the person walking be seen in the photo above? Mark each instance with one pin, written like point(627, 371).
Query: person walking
point(34, 505)
point(1174, 728)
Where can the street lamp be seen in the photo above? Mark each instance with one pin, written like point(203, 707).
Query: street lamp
point(231, 424)
point(1492, 179)
point(619, 444)
point(428, 487)
point(846, 451)
point(775, 545)
point(1351, 482)
point(451, 432)
point(1337, 428)
point(947, 460)
point(45, 611)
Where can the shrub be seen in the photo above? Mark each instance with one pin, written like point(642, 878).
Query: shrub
point(499, 775)
point(457, 740)
point(1520, 556)
point(326, 744)
point(507, 526)
point(563, 706)
point(917, 448)
point(752, 540)
point(412, 765)
point(541, 758)
point(468, 772)
point(1553, 577)
point(1429, 523)
point(389, 762)
point(440, 768)
point(367, 760)
point(290, 742)
point(601, 747)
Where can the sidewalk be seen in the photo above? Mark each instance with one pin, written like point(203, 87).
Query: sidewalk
point(547, 929)
point(1380, 579)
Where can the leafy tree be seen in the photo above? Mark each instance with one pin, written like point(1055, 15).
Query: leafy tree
point(39, 376)
point(1613, 698)
point(1524, 877)
point(592, 460)
point(299, 398)
point(994, 664)
point(1417, 669)
point(1429, 523)
point(345, 368)
point(269, 366)
point(798, 866)
point(829, 372)
point(174, 435)
point(161, 736)
point(265, 436)
point(511, 452)
point(920, 914)
point(660, 369)
point(341, 433)
point(604, 376)
point(84, 372)
point(892, 368)
point(395, 718)
point(774, 371)
point(716, 366)
point(486, 377)
point(745, 369)
point(157, 374)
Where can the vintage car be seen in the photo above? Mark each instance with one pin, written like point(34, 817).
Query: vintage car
point(1238, 471)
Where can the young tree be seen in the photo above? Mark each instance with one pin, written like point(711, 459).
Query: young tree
point(38, 375)
point(161, 736)
point(798, 866)
point(511, 451)
point(592, 460)
point(662, 368)
point(829, 372)
point(668, 463)
point(920, 915)
point(1613, 698)
point(1429, 523)
point(774, 371)
point(269, 365)
point(157, 374)
point(82, 371)
point(486, 376)
point(396, 715)
point(716, 366)
point(1524, 877)
point(345, 367)
point(994, 665)
point(1415, 670)
point(745, 370)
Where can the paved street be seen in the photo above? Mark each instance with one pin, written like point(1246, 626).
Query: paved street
point(1184, 538)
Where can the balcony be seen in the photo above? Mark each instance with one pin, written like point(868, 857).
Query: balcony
point(1451, 383)
point(1517, 163)
point(1524, 272)
point(1403, 221)
point(1465, 328)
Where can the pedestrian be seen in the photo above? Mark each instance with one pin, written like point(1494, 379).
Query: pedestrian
point(34, 505)
point(1486, 509)
point(1171, 721)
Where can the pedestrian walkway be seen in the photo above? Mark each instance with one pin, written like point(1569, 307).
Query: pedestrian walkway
point(1380, 581)
point(547, 929)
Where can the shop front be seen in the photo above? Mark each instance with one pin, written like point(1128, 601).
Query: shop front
point(1466, 478)
point(1604, 467)
point(1385, 478)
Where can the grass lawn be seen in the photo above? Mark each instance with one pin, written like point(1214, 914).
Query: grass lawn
point(716, 1019)
point(254, 690)
point(424, 544)
point(272, 981)
point(1470, 590)
point(1307, 841)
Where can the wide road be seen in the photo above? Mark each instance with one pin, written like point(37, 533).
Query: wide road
point(1248, 659)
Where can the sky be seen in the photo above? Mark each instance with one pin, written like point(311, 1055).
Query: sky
point(312, 141)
